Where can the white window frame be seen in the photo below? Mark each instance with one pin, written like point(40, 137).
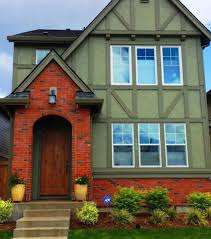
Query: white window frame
point(155, 56)
point(186, 148)
point(133, 153)
point(41, 50)
point(139, 144)
point(130, 64)
point(180, 65)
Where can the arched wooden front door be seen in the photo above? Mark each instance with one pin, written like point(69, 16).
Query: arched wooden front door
point(55, 157)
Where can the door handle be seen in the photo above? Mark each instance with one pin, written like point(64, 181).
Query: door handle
point(67, 168)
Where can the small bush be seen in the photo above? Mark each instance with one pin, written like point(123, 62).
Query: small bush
point(6, 209)
point(172, 214)
point(196, 218)
point(128, 199)
point(199, 200)
point(122, 216)
point(157, 199)
point(88, 214)
point(158, 217)
point(208, 213)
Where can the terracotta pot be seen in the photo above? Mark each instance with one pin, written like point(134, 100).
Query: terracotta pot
point(81, 192)
point(18, 192)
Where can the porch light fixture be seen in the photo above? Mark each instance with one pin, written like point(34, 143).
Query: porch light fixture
point(52, 96)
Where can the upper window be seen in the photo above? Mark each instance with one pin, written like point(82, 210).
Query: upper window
point(121, 65)
point(176, 148)
point(40, 55)
point(149, 145)
point(172, 66)
point(146, 66)
point(122, 137)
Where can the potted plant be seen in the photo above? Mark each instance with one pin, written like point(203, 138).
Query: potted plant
point(81, 188)
point(17, 186)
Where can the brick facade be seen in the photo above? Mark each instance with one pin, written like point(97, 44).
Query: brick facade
point(25, 118)
point(178, 188)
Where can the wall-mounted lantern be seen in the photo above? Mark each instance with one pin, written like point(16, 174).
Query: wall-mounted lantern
point(52, 95)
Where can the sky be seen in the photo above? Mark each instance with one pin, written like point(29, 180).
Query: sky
point(24, 15)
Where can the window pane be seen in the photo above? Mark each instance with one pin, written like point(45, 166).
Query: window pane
point(121, 67)
point(172, 74)
point(40, 55)
point(171, 65)
point(117, 128)
point(146, 66)
point(149, 134)
point(176, 155)
point(150, 155)
point(123, 156)
point(117, 138)
point(127, 128)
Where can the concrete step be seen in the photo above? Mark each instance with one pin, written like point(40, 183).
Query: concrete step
point(53, 205)
point(46, 213)
point(39, 237)
point(41, 232)
point(28, 222)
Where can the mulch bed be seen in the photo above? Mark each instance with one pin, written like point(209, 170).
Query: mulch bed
point(9, 226)
point(142, 221)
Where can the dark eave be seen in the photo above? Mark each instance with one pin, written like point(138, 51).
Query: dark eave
point(89, 100)
point(14, 101)
point(40, 39)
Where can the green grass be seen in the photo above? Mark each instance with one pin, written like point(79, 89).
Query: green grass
point(189, 233)
point(5, 234)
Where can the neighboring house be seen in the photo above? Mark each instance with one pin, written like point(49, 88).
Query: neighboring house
point(122, 101)
point(209, 111)
point(4, 151)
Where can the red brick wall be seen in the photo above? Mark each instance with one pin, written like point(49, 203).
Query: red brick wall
point(178, 188)
point(25, 118)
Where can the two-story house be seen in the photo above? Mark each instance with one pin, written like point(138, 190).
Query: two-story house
point(122, 101)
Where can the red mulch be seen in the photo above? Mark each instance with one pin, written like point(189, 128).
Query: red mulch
point(142, 221)
point(8, 226)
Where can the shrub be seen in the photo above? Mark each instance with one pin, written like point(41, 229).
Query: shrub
point(15, 179)
point(172, 214)
point(196, 218)
point(122, 216)
point(88, 214)
point(157, 199)
point(199, 200)
point(6, 209)
point(128, 199)
point(208, 213)
point(158, 217)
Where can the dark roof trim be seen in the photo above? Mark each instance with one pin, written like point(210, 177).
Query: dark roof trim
point(95, 103)
point(14, 101)
point(43, 39)
point(39, 68)
point(111, 5)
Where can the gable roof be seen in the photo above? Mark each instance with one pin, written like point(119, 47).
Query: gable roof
point(39, 68)
point(112, 5)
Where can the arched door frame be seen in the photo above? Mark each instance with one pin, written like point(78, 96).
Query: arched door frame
point(36, 164)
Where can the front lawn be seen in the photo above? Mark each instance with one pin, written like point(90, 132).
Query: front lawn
point(184, 233)
point(5, 234)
